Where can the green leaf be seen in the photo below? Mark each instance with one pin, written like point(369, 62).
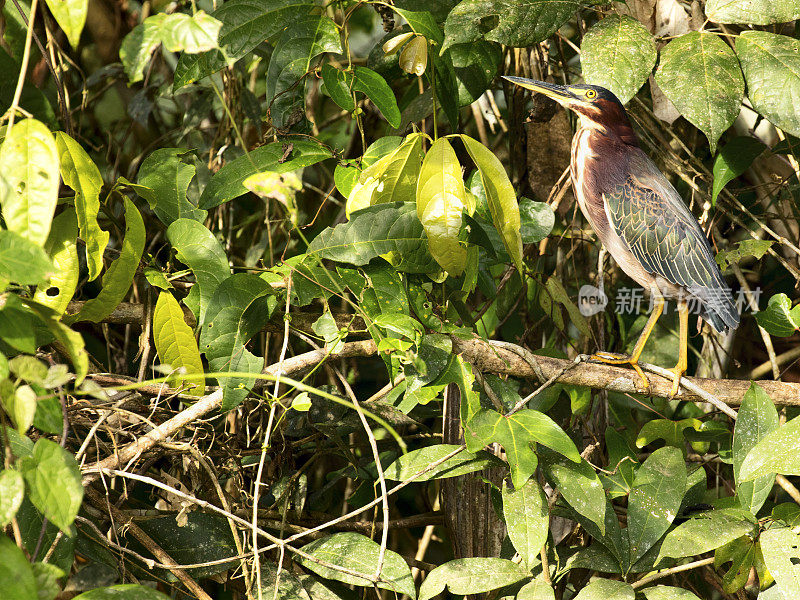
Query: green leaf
point(119, 276)
point(500, 195)
point(471, 576)
point(516, 433)
point(393, 178)
point(245, 24)
point(517, 23)
point(71, 17)
point(777, 452)
point(165, 173)
point(665, 592)
point(47, 576)
point(558, 294)
point(81, 174)
point(285, 586)
point(22, 261)
point(175, 342)
point(780, 548)
point(54, 483)
point(771, 66)
point(527, 520)
point(295, 51)
point(29, 180)
point(779, 318)
point(339, 86)
point(358, 553)
point(440, 201)
point(536, 590)
point(127, 591)
point(423, 23)
point(198, 249)
point(733, 159)
point(71, 340)
point(462, 463)
point(20, 404)
point(446, 87)
point(757, 418)
point(239, 309)
point(378, 91)
point(537, 220)
point(16, 574)
point(227, 183)
point(606, 589)
point(474, 66)
point(618, 53)
point(580, 486)
point(389, 230)
point(654, 501)
point(177, 31)
point(755, 248)
point(17, 325)
point(63, 250)
point(752, 12)
point(705, 532)
point(700, 74)
point(12, 491)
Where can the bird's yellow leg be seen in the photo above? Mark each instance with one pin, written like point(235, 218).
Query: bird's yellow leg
point(633, 359)
point(683, 349)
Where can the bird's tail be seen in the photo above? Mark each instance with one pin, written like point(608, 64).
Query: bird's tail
point(719, 310)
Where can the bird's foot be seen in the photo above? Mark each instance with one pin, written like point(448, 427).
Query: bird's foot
point(676, 383)
point(612, 358)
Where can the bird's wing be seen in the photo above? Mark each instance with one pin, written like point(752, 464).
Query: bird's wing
point(649, 216)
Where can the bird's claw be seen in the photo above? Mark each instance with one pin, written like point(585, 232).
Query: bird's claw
point(612, 358)
point(676, 383)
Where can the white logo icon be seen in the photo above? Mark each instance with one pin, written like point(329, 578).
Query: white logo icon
point(591, 300)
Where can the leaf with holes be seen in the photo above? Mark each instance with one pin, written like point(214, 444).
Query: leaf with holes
point(771, 66)
point(618, 53)
point(700, 74)
point(29, 180)
point(62, 248)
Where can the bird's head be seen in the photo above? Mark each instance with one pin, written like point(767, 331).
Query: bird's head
point(596, 106)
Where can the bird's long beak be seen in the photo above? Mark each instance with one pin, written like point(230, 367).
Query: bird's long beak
point(557, 92)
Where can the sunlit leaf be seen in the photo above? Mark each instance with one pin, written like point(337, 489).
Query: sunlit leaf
point(54, 483)
point(414, 56)
point(779, 318)
point(665, 592)
point(471, 576)
point(359, 553)
point(752, 12)
point(777, 452)
point(62, 248)
point(755, 248)
point(22, 261)
point(118, 278)
point(771, 66)
point(537, 589)
point(69, 338)
point(527, 520)
point(700, 75)
point(653, 503)
point(175, 341)
point(462, 463)
point(606, 589)
point(500, 195)
point(29, 180)
point(782, 557)
point(12, 490)
point(70, 16)
point(81, 174)
point(705, 532)
point(618, 53)
point(757, 418)
point(20, 404)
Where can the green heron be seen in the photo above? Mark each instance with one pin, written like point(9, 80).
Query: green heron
point(640, 219)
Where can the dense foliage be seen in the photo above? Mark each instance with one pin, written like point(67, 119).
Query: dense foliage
point(293, 303)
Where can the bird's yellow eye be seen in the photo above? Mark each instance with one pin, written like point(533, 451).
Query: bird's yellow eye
point(590, 94)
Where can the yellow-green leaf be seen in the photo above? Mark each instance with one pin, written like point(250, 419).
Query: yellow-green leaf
point(119, 277)
point(500, 195)
point(29, 180)
point(414, 57)
point(81, 174)
point(70, 16)
point(440, 202)
point(175, 342)
point(63, 250)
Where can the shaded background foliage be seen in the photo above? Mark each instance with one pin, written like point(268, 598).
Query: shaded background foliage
point(251, 253)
